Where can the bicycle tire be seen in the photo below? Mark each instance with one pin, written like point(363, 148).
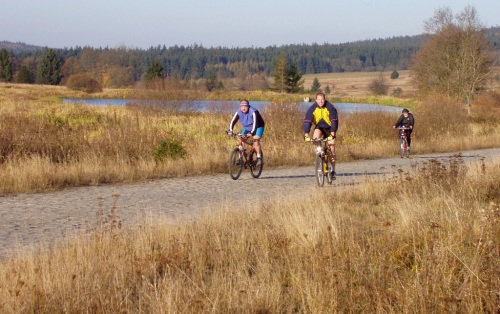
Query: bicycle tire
point(256, 165)
point(235, 164)
point(402, 148)
point(319, 172)
point(407, 152)
point(329, 165)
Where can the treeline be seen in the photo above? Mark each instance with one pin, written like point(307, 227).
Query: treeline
point(116, 67)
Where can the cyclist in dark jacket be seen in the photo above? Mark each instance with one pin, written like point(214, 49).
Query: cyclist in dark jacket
point(406, 120)
point(324, 116)
point(252, 123)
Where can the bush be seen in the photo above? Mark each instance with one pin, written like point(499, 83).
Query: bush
point(378, 86)
point(84, 83)
point(169, 148)
point(397, 91)
point(394, 74)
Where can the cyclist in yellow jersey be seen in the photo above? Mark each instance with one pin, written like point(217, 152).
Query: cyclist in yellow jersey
point(324, 116)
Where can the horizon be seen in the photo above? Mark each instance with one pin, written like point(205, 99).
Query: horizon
point(222, 23)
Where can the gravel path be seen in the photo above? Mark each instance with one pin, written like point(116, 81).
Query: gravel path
point(29, 219)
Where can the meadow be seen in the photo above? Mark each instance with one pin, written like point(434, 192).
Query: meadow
point(422, 241)
point(426, 241)
point(48, 145)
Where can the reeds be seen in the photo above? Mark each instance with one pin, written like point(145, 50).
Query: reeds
point(425, 241)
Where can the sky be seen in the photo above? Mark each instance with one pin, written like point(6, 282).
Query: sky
point(226, 23)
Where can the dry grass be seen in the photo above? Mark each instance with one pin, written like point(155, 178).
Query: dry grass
point(48, 145)
point(356, 84)
point(425, 242)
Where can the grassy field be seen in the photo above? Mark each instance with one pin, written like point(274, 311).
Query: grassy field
point(49, 145)
point(378, 247)
point(356, 84)
point(425, 241)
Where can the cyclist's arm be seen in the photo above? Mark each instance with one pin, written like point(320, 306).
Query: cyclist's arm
point(233, 121)
point(398, 123)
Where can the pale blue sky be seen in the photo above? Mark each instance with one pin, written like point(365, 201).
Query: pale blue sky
point(211, 23)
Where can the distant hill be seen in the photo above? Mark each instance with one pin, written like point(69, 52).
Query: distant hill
point(19, 46)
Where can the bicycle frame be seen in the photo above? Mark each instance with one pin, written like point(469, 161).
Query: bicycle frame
point(323, 161)
point(242, 141)
point(243, 157)
point(404, 142)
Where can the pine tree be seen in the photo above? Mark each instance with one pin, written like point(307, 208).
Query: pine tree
point(211, 81)
point(49, 70)
point(154, 71)
point(327, 90)
point(287, 78)
point(315, 88)
point(280, 74)
point(23, 76)
point(5, 65)
point(294, 81)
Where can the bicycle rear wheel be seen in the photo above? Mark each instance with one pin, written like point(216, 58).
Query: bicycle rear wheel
point(320, 173)
point(256, 164)
point(235, 164)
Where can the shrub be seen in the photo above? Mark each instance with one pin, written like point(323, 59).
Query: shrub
point(378, 86)
point(394, 74)
point(84, 83)
point(169, 148)
point(397, 91)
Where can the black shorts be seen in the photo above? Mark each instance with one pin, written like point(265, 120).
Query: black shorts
point(326, 132)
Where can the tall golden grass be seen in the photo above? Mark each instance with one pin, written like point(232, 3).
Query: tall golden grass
point(48, 145)
point(424, 242)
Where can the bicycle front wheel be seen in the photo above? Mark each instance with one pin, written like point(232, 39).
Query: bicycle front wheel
point(402, 147)
point(320, 172)
point(329, 169)
point(256, 164)
point(235, 164)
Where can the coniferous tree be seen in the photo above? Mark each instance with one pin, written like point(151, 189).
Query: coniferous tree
point(294, 83)
point(23, 76)
point(211, 81)
point(154, 71)
point(49, 70)
point(315, 88)
point(394, 74)
point(327, 90)
point(280, 74)
point(5, 65)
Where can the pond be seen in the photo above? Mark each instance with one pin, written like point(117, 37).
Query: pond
point(220, 105)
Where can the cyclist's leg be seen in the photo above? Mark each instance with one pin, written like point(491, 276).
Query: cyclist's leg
point(331, 145)
point(408, 136)
point(256, 140)
point(317, 134)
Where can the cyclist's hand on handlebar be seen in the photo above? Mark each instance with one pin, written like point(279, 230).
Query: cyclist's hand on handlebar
point(330, 137)
point(229, 132)
point(307, 138)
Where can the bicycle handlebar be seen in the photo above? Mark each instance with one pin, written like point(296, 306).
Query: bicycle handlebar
point(403, 128)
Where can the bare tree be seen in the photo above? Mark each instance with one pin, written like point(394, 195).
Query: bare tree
point(456, 59)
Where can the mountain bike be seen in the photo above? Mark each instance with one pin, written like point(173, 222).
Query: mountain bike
point(243, 157)
point(403, 147)
point(323, 162)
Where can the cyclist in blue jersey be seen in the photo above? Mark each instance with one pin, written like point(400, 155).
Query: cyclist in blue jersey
point(252, 123)
point(324, 116)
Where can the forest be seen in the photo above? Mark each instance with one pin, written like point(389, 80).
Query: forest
point(124, 67)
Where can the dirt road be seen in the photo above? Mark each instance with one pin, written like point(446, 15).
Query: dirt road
point(29, 219)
